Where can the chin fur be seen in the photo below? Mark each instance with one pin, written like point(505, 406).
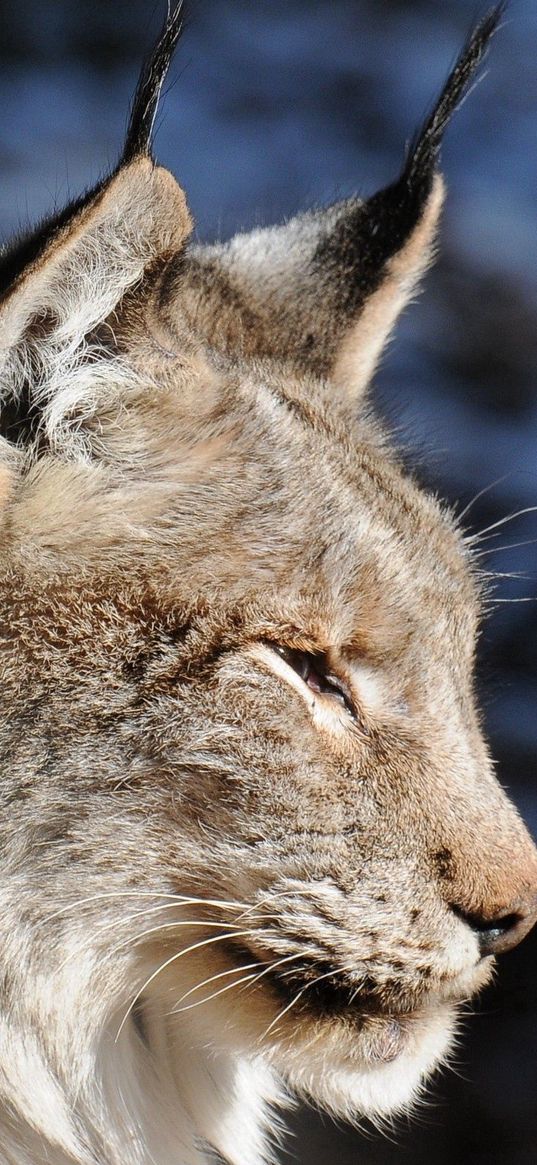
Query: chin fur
point(345, 1080)
point(188, 1094)
point(167, 1087)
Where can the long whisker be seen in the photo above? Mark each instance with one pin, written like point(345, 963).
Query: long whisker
point(269, 900)
point(166, 926)
point(518, 575)
point(215, 994)
point(508, 546)
point(173, 958)
point(501, 522)
point(283, 1012)
point(171, 925)
point(278, 963)
point(166, 906)
point(524, 599)
point(239, 984)
point(174, 924)
point(268, 966)
point(296, 999)
point(172, 897)
point(214, 978)
point(292, 891)
point(486, 489)
point(133, 939)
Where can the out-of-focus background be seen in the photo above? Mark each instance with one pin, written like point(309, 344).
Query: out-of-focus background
point(275, 105)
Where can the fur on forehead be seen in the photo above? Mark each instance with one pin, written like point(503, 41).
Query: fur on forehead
point(129, 360)
point(257, 491)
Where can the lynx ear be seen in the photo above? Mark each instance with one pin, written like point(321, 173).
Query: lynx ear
point(63, 281)
point(323, 291)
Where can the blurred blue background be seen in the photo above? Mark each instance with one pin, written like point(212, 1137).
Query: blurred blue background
point(275, 105)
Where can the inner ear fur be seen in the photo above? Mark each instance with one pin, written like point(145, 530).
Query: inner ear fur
point(60, 284)
point(74, 283)
point(321, 293)
point(139, 215)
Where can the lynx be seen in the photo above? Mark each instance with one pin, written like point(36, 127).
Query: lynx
point(252, 845)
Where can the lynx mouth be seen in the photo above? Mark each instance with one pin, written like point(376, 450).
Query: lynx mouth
point(322, 987)
point(320, 991)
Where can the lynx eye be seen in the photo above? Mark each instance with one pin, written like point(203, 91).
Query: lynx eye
point(313, 669)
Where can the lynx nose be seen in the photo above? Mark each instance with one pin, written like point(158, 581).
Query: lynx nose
point(504, 931)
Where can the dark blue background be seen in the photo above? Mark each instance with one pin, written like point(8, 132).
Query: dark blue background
point(274, 105)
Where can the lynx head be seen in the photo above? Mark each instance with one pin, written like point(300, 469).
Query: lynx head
point(248, 805)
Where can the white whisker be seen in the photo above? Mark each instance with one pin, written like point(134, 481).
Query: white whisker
point(174, 924)
point(501, 522)
point(134, 939)
point(326, 975)
point(486, 489)
point(283, 1012)
point(173, 958)
point(213, 978)
point(486, 553)
point(266, 901)
point(278, 963)
point(523, 599)
point(239, 984)
point(169, 906)
point(214, 994)
point(295, 1000)
point(175, 899)
point(517, 575)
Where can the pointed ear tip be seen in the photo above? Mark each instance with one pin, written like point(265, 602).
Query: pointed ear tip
point(157, 179)
point(144, 166)
point(140, 164)
point(170, 189)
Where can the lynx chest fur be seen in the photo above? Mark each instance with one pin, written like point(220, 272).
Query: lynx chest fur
point(252, 845)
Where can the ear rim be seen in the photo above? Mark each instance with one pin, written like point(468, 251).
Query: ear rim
point(419, 193)
point(362, 347)
point(155, 182)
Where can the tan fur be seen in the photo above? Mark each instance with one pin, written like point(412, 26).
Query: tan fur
point(203, 484)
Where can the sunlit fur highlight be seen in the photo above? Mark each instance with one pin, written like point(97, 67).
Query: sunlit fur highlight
point(250, 825)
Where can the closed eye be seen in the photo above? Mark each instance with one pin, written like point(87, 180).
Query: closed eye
point(314, 671)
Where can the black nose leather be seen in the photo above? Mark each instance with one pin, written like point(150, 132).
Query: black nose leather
point(504, 931)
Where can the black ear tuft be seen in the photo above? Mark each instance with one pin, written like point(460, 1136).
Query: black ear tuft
point(386, 221)
point(423, 154)
point(144, 106)
point(25, 250)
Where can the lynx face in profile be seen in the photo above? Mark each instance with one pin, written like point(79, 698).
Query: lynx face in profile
point(251, 840)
